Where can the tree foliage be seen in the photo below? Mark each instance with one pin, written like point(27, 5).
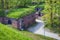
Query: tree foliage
point(52, 8)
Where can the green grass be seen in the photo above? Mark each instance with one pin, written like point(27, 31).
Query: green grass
point(9, 33)
point(21, 12)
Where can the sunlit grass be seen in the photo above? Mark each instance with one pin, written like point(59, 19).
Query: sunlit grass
point(18, 13)
point(9, 33)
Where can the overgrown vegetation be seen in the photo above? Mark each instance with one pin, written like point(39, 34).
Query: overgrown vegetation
point(52, 15)
point(21, 12)
point(17, 3)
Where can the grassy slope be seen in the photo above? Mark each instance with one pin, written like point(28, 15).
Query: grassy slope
point(21, 12)
point(8, 33)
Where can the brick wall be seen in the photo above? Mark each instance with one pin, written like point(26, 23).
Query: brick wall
point(15, 23)
point(3, 20)
point(25, 21)
point(28, 20)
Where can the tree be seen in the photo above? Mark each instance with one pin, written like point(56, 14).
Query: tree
point(52, 8)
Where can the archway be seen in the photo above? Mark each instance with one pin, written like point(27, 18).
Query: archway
point(9, 21)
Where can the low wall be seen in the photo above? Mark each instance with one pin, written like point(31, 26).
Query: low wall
point(27, 20)
point(3, 20)
point(15, 23)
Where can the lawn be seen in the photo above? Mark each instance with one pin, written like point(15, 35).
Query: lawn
point(9, 33)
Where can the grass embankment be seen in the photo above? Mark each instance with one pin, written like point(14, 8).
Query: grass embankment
point(21, 12)
point(8, 33)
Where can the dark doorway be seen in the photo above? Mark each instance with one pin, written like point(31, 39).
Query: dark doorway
point(39, 14)
point(37, 9)
point(9, 22)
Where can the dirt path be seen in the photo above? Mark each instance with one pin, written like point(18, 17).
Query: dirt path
point(39, 29)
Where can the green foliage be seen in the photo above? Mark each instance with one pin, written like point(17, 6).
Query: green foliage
point(18, 3)
point(21, 12)
point(52, 7)
point(15, 3)
point(1, 13)
point(8, 33)
point(53, 13)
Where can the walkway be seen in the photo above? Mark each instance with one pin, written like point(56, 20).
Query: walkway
point(39, 29)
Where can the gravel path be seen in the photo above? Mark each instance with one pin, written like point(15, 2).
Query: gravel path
point(39, 29)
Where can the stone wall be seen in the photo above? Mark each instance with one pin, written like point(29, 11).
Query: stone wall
point(24, 22)
point(15, 23)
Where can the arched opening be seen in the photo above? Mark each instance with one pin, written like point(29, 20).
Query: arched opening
point(9, 22)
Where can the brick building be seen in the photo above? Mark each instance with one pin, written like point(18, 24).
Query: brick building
point(21, 23)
